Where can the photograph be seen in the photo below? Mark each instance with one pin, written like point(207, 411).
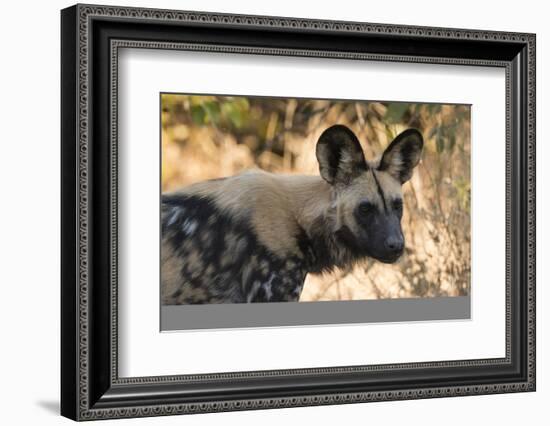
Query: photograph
point(274, 199)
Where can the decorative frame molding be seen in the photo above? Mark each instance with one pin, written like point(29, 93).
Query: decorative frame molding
point(91, 388)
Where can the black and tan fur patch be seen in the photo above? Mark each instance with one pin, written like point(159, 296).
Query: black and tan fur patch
point(213, 257)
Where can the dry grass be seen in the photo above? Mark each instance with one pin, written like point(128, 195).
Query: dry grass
point(208, 137)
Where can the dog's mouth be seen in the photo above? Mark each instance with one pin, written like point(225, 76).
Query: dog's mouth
point(389, 259)
point(346, 236)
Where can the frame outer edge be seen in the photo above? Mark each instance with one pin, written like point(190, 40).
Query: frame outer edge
point(69, 191)
point(83, 177)
point(531, 199)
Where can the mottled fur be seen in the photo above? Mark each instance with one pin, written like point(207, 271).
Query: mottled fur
point(254, 237)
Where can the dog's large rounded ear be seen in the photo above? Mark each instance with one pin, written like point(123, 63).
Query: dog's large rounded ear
point(402, 155)
point(340, 155)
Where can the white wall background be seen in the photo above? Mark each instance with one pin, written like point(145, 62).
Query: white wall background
point(29, 214)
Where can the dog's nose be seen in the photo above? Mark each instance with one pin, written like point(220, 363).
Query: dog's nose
point(394, 244)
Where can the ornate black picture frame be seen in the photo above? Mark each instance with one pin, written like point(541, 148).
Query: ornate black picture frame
point(91, 387)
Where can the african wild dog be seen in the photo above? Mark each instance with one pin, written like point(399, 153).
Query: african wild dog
point(254, 237)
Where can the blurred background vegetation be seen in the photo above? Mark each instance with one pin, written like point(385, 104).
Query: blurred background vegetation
point(206, 137)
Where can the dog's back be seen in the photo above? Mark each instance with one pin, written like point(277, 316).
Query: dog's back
point(211, 248)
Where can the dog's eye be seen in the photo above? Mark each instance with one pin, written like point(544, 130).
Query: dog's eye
point(397, 205)
point(366, 207)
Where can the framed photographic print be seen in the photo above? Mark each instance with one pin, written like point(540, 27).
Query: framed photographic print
point(263, 212)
